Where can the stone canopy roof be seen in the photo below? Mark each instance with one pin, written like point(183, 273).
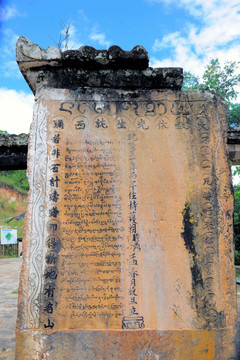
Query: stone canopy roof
point(88, 67)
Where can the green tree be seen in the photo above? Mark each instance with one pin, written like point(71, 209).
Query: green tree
point(221, 79)
point(190, 81)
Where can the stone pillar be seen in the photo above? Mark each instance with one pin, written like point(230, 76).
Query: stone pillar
point(128, 248)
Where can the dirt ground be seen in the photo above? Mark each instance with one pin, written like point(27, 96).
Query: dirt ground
point(9, 278)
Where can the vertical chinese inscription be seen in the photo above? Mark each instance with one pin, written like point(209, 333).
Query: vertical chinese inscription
point(133, 320)
point(53, 240)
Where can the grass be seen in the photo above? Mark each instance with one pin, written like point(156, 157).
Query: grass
point(16, 179)
point(14, 188)
point(237, 272)
point(8, 256)
point(9, 209)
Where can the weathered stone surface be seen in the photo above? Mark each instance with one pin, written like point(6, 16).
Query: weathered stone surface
point(85, 56)
point(128, 249)
point(13, 151)
point(134, 345)
point(88, 67)
point(113, 58)
point(27, 51)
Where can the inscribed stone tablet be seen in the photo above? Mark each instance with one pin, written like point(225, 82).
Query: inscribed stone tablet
point(129, 227)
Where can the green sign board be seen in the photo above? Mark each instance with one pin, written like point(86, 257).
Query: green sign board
point(8, 236)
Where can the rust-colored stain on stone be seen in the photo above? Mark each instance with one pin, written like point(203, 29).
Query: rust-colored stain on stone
point(128, 250)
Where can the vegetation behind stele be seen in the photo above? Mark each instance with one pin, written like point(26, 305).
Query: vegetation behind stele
point(223, 79)
point(14, 183)
point(15, 179)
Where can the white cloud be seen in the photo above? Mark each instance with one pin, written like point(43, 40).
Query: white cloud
point(83, 17)
point(215, 34)
point(8, 12)
point(171, 39)
point(78, 36)
point(16, 109)
point(196, 8)
point(100, 38)
point(235, 178)
point(10, 69)
point(8, 43)
point(72, 41)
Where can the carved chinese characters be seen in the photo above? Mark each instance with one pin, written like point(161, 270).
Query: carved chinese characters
point(129, 227)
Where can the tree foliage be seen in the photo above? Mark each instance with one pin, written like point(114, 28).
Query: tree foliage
point(221, 79)
point(190, 81)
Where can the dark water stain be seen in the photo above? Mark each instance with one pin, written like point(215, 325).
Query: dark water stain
point(188, 236)
point(205, 306)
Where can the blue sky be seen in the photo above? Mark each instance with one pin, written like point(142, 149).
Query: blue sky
point(184, 33)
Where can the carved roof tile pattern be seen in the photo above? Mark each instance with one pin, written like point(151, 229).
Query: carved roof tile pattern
point(88, 67)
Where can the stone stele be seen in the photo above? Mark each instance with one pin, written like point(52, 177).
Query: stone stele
point(128, 246)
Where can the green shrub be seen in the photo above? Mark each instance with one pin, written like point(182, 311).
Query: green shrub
point(237, 257)
point(17, 179)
